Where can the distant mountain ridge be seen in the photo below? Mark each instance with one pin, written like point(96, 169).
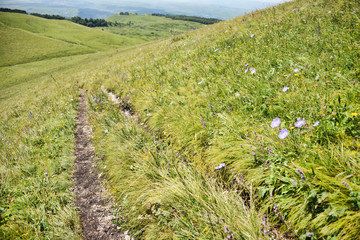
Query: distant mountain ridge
point(94, 9)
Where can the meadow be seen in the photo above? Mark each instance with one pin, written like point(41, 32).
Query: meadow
point(252, 125)
point(246, 129)
point(38, 105)
point(148, 27)
point(21, 35)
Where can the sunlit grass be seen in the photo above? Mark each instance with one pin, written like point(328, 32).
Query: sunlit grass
point(199, 159)
point(215, 92)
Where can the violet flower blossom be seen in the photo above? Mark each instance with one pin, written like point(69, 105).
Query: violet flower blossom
point(275, 122)
point(283, 133)
point(300, 123)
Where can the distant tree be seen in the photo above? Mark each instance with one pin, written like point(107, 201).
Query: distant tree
point(12, 10)
point(188, 18)
point(47, 16)
point(90, 22)
point(157, 14)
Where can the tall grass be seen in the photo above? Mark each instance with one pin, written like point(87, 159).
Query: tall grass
point(36, 161)
point(159, 193)
point(215, 93)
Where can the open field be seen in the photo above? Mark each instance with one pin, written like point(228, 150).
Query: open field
point(245, 129)
point(21, 34)
point(149, 27)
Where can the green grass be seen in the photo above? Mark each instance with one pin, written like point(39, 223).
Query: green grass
point(36, 161)
point(37, 145)
point(149, 27)
point(196, 106)
point(21, 35)
point(197, 99)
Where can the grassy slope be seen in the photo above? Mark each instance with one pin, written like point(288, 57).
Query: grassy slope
point(21, 35)
point(157, 173)
point(37, 141)
point(149, 27)
point(204, 106)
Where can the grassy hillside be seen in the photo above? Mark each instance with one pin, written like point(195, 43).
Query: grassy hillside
point(38, 108)
point(27, 38)
point(245, 129)
point(252, 125)
point(149, 27)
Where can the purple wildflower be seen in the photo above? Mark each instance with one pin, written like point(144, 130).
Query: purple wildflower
point(345, 183)
point(246, 65)
point(300, 123)
point(275, 122)
point(264, 220)
point(220, 166)
point(253, 70)
point(230, 236)
point(246, 70)
point(275, 208)
point(252, 35)
point(316, 123)
point(216, 50)
point(296, 70)
point(285, 89)
point(331, 58)
point(294, 182)
point(353, 12)
point(200, 82)
point(283, 133)
point(266, 231)
point(227, 229)
point(310, 234)
point(301, 174)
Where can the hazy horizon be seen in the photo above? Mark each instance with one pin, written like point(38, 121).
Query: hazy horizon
point(104, 8)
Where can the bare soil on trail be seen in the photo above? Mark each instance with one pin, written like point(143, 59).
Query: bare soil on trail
point(92, 198)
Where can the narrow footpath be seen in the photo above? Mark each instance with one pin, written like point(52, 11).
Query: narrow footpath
point(92, 199)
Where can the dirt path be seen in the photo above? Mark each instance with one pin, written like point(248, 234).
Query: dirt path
point(91, 197)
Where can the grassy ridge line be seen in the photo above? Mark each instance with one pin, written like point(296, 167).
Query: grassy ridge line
point(74, 38)
point(31, 51)
point(226, 85)
point(19, 79)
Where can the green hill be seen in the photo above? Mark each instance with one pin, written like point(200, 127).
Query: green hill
point(149, 27)
point(274, 97)
point(245, 129)
point(27, 38)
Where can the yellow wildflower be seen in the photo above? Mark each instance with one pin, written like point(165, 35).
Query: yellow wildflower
point(354, 114)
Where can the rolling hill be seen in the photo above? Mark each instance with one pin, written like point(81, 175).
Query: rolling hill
point(27, 38)
point(245, 129)
point(149, 27)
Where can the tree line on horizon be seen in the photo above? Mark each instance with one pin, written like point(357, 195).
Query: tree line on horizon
point(202, 20)
point(103, 23)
